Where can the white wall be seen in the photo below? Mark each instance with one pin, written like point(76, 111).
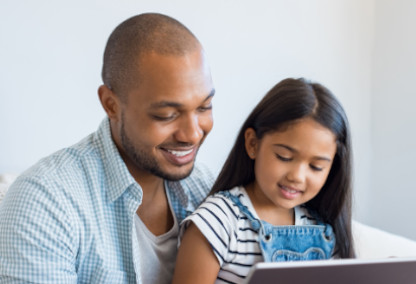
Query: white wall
point(51, 52)
point(393, 187)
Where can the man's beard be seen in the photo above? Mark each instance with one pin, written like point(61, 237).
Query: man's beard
point(145, 161)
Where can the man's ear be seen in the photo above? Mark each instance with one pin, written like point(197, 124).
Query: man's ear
point(110, 102)
point(251, 142)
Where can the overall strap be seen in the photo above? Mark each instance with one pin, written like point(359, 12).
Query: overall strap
point(256, 224)
point(329, 233)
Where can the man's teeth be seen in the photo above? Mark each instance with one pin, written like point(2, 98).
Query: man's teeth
point(180, 153)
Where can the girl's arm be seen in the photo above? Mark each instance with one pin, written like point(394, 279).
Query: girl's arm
point(196, 262)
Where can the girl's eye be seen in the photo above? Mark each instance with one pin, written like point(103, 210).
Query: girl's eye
point(284, 159)
point(315, 168)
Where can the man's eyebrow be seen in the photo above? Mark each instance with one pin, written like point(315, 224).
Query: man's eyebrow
point(210, 95)
point(163, 104)
point(323, 158)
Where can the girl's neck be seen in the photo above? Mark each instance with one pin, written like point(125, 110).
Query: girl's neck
point(269, 212)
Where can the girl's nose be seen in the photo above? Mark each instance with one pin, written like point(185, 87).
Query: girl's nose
point(297, 173)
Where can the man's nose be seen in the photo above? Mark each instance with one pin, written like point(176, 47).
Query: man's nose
point(190, 130)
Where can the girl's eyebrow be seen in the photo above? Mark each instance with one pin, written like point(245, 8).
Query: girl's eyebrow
point(163, 104)
point(323, 158)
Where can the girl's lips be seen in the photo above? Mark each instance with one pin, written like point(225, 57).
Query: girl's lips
point(180, 157)
point(289, 192)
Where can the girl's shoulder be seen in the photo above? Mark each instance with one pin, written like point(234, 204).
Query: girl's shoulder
point(218, 212)
point(237, 191)
point(231, 200)
point(234, 196)
point(239, 202)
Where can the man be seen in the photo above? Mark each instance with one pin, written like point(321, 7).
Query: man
point(107, 209)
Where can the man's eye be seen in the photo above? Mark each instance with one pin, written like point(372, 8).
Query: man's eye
point(163, 118)
point(284, 159)
point(205, 108)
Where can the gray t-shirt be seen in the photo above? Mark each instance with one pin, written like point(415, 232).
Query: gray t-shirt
point(157, 253)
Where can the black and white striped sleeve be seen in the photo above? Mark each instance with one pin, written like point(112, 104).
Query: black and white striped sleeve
point(216, 218)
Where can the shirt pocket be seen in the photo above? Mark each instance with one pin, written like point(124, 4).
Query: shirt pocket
point(313, 253)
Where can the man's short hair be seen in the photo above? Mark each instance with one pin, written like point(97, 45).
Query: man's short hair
point(136, 36)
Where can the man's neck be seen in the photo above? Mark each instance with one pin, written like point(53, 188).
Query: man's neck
point(155, 210)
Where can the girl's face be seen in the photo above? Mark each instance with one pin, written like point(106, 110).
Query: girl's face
point(291, 165)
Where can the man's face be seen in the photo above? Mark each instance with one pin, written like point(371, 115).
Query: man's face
point(165, 119)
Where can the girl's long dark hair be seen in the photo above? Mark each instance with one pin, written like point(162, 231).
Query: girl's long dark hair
point(290, 100)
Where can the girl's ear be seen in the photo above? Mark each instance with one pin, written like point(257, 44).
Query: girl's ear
point(251, 142)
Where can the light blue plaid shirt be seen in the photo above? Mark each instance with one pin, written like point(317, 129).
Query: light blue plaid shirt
point(69, 219)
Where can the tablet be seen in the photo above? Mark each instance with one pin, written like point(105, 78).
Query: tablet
point(340, 271)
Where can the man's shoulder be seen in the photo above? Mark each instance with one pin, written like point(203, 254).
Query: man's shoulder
point(65, 179)
point(68, 171)
point(69, 159)
point(201, 173)
point(199, 182)
point(189, 192)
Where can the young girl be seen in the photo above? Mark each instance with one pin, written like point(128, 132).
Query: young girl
point(284, 193)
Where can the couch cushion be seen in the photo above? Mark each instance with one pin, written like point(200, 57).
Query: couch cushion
point(371, 242)
point(5, 181)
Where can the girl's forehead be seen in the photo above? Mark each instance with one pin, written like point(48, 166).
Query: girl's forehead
point(305, 122)
point(304, 135)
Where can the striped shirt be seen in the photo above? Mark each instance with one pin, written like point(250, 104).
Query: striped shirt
point(227, 229)
point(69, 219)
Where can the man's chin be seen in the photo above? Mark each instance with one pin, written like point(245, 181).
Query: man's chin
point(175, 174)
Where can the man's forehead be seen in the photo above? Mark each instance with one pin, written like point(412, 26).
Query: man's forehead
point(178, 103)
point(151, 57)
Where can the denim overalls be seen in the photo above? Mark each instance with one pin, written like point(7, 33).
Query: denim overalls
point(289, 243)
